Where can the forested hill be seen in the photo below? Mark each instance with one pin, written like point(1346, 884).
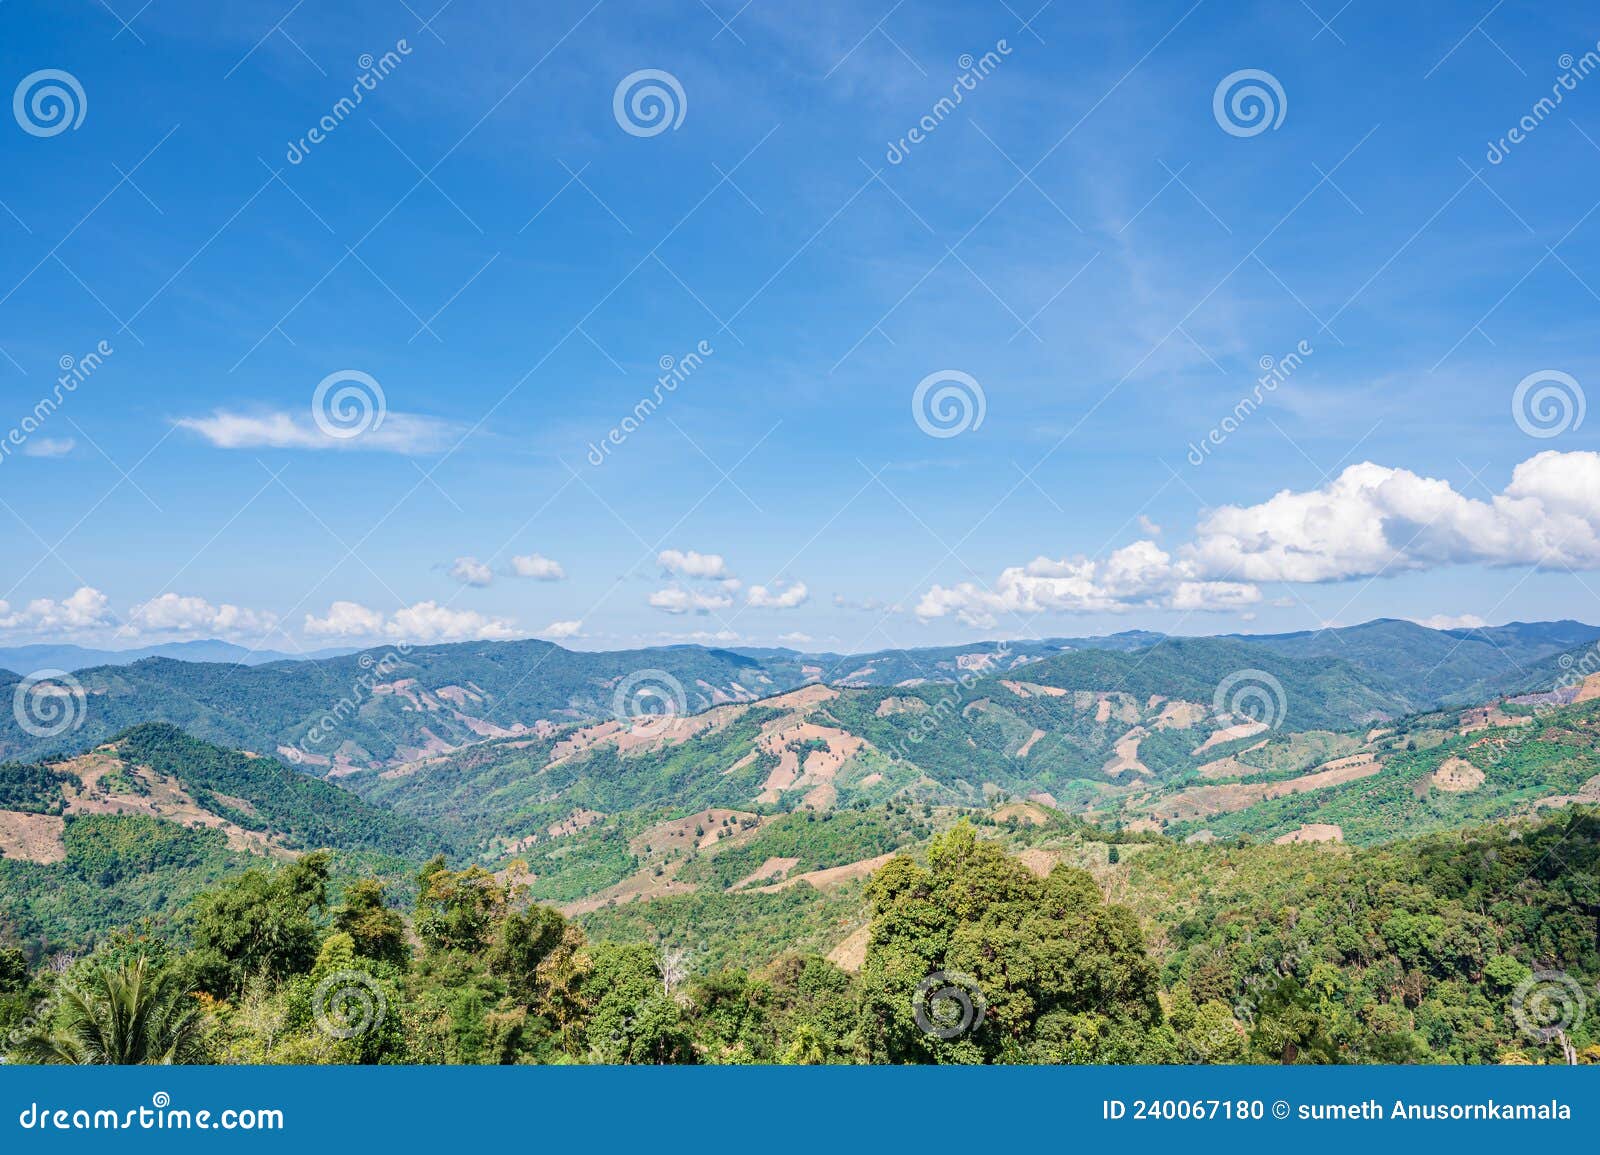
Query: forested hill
point(389, 706)
point(156, 770)
point(1439, 667)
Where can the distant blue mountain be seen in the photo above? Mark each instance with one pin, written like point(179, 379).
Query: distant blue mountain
point(27, 659)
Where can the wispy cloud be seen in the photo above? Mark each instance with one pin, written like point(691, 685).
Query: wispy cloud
point(279, 429)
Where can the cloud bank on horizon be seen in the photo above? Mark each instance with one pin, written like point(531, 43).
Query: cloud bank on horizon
point(1369, 522)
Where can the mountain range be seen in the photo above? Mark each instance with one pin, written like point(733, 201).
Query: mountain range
point(387, 706)
point(604, 780)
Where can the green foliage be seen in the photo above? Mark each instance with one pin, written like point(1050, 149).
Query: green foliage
point(817, 840)
point(34, 789)
point(975, 959)
point(265, 795)
point(1400, 953)
point(259, 924)
point(376, 932)
point(119, 870)
point(457, 909)
point(117, 1012)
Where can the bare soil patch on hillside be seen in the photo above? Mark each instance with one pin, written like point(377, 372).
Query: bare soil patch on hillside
point(1207, 801)
point(32, 837)
point(1230, 734)
point(833, 876)
point(1457, 776)
point(164, 797)
point(1312, 832)
point(1125, 755)
point(851, 954)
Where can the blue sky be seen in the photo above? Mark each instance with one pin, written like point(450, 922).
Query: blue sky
point(1082, 237)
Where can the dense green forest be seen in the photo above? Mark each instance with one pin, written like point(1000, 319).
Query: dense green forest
point(1445, 949)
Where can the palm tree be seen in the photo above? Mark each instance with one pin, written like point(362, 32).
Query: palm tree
point(120, 1013)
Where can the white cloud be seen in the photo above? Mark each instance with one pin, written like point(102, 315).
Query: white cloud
point(345, 620)
point(779, 597)
point(721, 637)
point(1453, 622)
point(424, 622)
point(85, 609)
point(689, 564)
point(1368, 521)
point(795, 639)
point(398, 432)
point(470, 571)
point(562, 630)
point(1149, 527)
point(538, 567)
point(431, 622)
point(677, 600)
point(178, 614)
point(1137, 576)
point(49, 447)
point(1372, 519)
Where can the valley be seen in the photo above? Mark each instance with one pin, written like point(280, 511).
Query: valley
point(760, 821)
